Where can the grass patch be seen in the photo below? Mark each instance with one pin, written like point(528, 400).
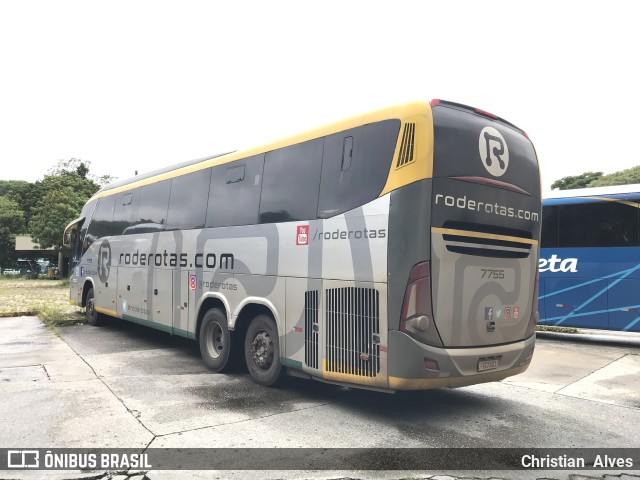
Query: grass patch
point(550, 328)
point(47, 299)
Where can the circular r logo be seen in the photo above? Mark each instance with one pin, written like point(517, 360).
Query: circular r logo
point(494, 152)
point(104, 261)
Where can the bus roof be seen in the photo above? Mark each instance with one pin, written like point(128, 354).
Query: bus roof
point(617, 192)
point(399, 111)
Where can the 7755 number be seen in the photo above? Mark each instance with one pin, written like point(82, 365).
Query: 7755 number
point(491, 273)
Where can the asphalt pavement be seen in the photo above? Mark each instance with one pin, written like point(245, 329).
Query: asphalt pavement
point(58, 392)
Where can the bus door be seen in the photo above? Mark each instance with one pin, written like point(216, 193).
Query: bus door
point(106, 278)
point(128, 300)
point(184, 291)
point(157, 298)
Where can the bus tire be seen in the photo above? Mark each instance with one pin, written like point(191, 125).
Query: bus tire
point(262, 351)
point(215, 341)
point(92, 317)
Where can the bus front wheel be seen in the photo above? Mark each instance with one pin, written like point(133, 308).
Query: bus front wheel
point(262, 351)
point(91, 315)
point(215, 341)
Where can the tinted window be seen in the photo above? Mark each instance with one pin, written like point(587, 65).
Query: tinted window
point(125, 213)
point(602, 224)
point(154, 201)
point(291, 182)
point(81, 247)
point(355, 166)
point(549, 237)
point(102, 222)
point(457, 134)
point(188, 200)
point(234, 196)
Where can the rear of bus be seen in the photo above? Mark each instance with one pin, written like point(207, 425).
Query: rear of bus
point(463, 255)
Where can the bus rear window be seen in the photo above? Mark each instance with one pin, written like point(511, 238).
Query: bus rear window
point(602, 224)
point(470, 144)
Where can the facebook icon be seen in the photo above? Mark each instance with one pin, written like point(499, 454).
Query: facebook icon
point(488, 313)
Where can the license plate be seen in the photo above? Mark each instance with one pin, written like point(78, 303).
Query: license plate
point(490, 364)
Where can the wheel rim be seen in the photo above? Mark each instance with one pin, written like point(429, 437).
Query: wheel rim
point(262, 350)
point(214, 340)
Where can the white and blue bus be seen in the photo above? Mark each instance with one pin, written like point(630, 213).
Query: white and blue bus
point(393, 250)
point(590, 259)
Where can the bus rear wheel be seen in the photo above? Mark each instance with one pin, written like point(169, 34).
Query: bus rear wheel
point(91, 315)
point(262, 351)
point(216, 346)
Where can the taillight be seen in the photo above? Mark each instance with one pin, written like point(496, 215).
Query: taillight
point(533, 321)
point(487, 114)
point(417, 314)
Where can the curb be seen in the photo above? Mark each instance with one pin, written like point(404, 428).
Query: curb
point(599, 338)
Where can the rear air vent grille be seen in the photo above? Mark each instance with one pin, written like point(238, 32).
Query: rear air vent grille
point(485, 241)
point(407, 146)
point(353, 331)
point(311, 328)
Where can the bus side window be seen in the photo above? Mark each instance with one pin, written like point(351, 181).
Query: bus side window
point(355, 166)
point(291, 182)
point(125, 213)
point(154, 203)
point(234, 195)
point(87, 213)
point(102, 222)
point(549, 238)
point(188, 200)
point(347, 153)
point(598, 224)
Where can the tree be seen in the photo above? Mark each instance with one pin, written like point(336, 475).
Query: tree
point(579, 181)
point(51, 203)
point(6, 186)
point(11, 223)
point(54, 212)
point(80, 168)
point(624, 177)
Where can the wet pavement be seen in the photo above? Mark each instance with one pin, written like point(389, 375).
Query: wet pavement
point(123, 385)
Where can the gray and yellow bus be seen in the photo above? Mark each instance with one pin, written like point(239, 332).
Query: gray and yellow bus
point(394, 250)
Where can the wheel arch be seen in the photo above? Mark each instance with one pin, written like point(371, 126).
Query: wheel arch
point(88, 285)
point(252, 307)
point(206, 304)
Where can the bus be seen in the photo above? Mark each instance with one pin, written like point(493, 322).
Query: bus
point(590, 258)
point(394, 250)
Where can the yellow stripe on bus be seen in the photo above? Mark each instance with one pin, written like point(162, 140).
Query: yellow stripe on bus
point(615, 200)
point(106, 311)
point(492, 236)
point(378, 381)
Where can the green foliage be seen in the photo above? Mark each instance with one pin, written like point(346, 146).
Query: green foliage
point(51, 203)
point(54, 211)
point(552, 328)
point(597, 179)
point(80, 168)
point(45, 207)
point(11, 223)
point(6, 186)
point(11, 216)
point(624, 177)
point(579, 181)
point(31, 195)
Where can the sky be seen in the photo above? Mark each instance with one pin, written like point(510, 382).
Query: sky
point(139, 85)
